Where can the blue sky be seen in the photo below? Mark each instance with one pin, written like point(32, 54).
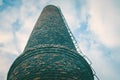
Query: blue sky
point(94, 23)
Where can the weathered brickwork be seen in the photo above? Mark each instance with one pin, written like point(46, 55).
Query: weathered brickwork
point(50, 53)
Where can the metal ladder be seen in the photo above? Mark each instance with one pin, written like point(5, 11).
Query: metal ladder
point(78, 48)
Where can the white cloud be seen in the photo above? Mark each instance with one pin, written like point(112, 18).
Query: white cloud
point(103, 63)
point(4, 35)
point(1, 2)
point(6, 30)
point(104, 21)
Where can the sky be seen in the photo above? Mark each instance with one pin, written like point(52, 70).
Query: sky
point(94, 23)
